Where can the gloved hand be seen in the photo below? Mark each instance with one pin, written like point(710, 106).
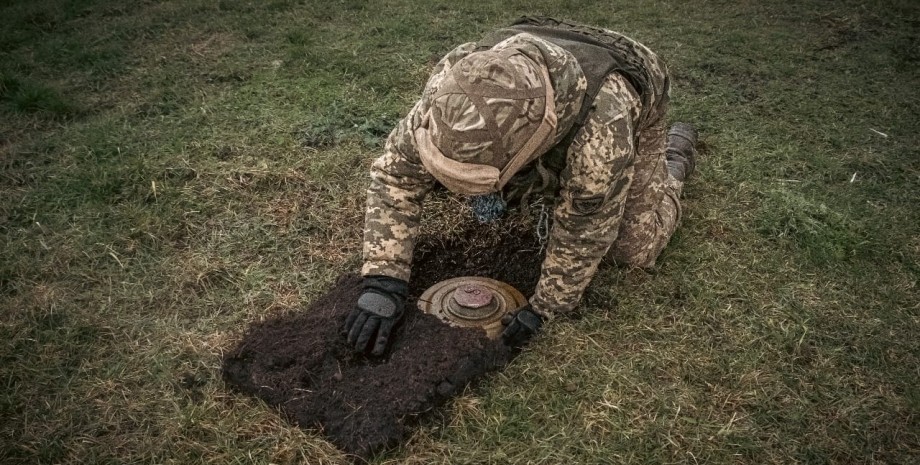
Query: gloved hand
point(378, 310)
point(520, 326)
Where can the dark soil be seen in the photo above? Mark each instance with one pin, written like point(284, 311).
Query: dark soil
point(300, 362)
point(513, 257)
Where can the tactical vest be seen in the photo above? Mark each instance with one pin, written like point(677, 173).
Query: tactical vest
point(599, 53)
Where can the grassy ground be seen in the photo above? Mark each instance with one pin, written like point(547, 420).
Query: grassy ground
point(172, 171)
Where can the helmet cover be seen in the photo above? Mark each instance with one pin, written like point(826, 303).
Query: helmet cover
point(492, 114)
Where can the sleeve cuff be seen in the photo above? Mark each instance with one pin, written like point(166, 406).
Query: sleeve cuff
point(386, 269)
point(541, 309)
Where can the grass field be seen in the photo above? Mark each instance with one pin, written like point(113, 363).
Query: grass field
point(172, 171)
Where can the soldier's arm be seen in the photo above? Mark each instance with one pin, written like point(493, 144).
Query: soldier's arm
point(398, 185)
point(593, 193)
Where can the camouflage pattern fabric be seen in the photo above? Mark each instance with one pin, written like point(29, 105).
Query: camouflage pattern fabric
point(615, 198)
point(460, 129)
point(399, 182)
point(652, 206)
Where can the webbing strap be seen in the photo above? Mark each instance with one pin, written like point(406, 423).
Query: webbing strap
point(483, 108)
point(540, 139)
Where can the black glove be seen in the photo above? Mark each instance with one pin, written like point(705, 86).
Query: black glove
point(521, 326)
point(379, 308)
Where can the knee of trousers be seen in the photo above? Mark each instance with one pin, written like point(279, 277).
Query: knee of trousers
point(632, 256)
point(640, 244)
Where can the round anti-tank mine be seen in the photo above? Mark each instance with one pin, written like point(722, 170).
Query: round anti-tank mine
point(472, 301)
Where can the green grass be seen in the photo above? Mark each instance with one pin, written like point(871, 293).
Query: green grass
point(28, 97)
point(173, 171)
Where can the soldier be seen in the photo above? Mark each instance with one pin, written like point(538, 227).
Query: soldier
point(542, 105)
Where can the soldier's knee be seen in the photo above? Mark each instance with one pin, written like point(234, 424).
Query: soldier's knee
point(638, 257)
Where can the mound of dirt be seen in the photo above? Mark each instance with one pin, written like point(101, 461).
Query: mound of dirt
point(301, 363)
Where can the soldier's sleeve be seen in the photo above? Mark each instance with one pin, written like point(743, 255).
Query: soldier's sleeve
point(399, 183)
point(593, 193)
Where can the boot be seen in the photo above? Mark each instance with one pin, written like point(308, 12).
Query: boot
point(681, 151)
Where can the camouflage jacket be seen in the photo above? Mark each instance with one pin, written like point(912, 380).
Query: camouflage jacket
point(592, 187)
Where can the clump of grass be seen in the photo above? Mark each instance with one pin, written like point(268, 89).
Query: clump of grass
point(827, 235)
point(24, 96)
point(338, 126)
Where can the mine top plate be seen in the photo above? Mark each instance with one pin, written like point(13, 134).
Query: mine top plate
point(472, 301)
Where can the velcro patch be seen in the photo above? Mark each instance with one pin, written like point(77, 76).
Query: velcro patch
point(587, 205)
point(377, 303)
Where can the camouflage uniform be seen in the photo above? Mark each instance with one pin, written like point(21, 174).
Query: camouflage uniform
point(615, 196)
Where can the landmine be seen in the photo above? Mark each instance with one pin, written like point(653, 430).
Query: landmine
point(299, 362)
point(472, 302)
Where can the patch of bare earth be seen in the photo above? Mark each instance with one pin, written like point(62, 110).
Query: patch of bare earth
point(301, 363)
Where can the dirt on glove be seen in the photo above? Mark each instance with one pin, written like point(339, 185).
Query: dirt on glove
point(301, 363)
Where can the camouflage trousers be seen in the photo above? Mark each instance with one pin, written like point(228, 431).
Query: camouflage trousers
point(652, 211)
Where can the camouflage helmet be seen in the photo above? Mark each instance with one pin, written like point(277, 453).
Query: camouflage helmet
point(492, 114)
